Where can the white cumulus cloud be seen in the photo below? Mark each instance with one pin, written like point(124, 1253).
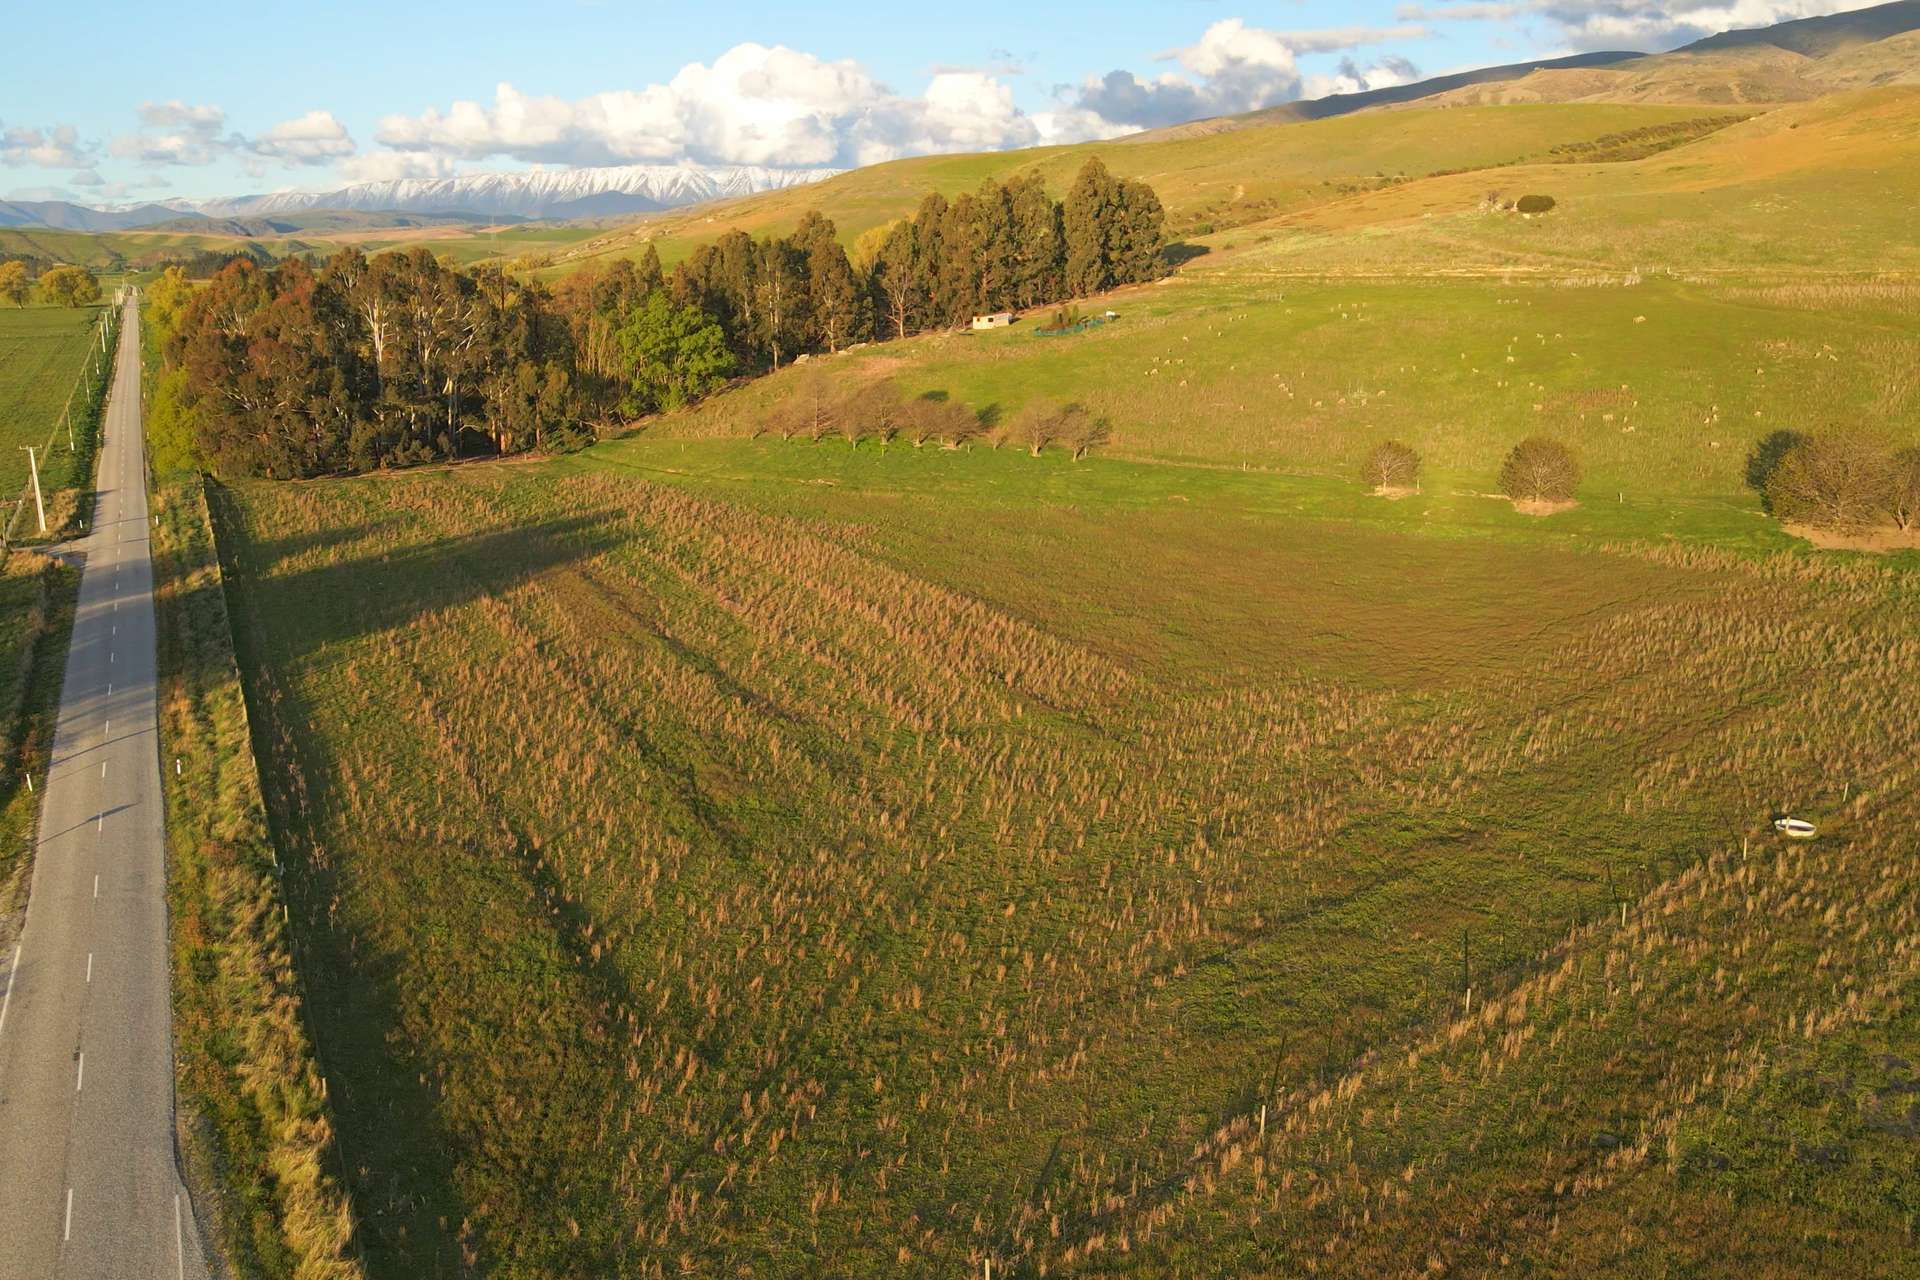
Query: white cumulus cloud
point(53, 147)
point(1633, 24)
point(176, 133)
point(1232, 68)
point(754, 104)
point(314, 138)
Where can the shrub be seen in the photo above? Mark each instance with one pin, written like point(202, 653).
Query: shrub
point(1082, 429)
point(879, 410)
point(948, 421)
point(1836, 480)
point(812, 408)
point(1391, 465)
point(1540, 470)
point(1535, 204)
point(1064, 318)
point(1073, 426)
point(1903, 495)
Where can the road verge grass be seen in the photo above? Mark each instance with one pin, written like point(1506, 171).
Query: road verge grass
point(251, 1094)
point(36, 617)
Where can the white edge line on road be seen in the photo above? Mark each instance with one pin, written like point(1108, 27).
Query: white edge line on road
point(13, 974)
point(179, 1247)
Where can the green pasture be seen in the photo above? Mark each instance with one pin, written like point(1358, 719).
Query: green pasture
point(43, 351)
point(1662, 387)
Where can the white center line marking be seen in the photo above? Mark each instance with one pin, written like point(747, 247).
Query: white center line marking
point(67, 1232)
point(96, 886)
point(80, 1079)
point(103, 768)
point(89, 966)
point(7, 999)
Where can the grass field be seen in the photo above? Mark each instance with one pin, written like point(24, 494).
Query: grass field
point(43, 351)
point(946, 862)
point(1661, 386)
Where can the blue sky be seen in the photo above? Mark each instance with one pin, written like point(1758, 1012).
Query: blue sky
point(168, 105)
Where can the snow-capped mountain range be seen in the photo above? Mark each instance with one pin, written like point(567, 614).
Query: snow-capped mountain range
point(542, 193)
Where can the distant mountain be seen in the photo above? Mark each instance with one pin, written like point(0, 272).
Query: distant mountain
point(322, 220)
point(1821, 37)
point(1786, 62)
point(613, 191)
point(545, 193)
point(61, 215)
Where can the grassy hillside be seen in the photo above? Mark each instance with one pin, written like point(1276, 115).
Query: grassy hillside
point(1819, 187)
point(1220, 180)
point(124, 250)
point(1663, 387)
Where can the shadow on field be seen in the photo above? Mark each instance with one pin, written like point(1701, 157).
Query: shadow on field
point(273, 550)
point(370, 590)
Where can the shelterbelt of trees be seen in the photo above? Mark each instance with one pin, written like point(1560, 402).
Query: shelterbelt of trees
point(303, 369)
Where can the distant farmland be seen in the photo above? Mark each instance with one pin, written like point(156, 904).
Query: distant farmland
point(948, 860)
point(42, 352)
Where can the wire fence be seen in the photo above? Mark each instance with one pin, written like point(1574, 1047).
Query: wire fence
point(90, 388)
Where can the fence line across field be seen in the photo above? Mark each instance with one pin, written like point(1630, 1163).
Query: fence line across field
point(98, 346)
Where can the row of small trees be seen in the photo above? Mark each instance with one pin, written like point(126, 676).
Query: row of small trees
point(1538, 469)
point(1846, 481)
point(818, 408)
point(63, 286)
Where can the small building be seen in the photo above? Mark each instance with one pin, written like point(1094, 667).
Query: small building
point(998, 320)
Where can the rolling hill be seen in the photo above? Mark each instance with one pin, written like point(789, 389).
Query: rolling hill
point(1585, 115)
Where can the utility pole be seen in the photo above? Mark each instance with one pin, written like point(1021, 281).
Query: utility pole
point(39, 507)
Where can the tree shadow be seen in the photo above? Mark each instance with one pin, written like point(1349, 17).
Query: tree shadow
point(1179, 254)
point(1765, 458)
point(380, 590)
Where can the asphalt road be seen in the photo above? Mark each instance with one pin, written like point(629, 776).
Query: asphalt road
point(88, 1181)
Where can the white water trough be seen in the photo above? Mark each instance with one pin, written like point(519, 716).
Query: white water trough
point(1795, 828)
